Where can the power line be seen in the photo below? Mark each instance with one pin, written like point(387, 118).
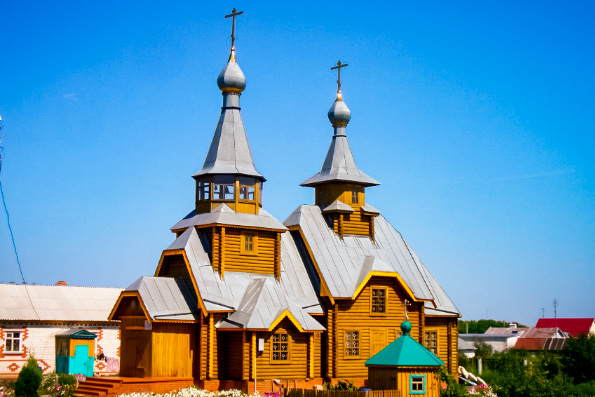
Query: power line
point(6, 209)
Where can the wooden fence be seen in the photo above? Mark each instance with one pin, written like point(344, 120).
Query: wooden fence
point(341, 393)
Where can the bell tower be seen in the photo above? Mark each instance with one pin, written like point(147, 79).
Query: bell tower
point(340, 186)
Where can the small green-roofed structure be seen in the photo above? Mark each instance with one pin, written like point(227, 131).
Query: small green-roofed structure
point(405, 365)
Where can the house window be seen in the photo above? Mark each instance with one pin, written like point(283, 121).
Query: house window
point(354, 197)
point(417, 384)
point(378, 302)
point(223, 187)
point(352, 343)
point(431, 341)
point(247, 188)
point(204, 190)
point(249, 244)
point(63, 347)
point(13, 341)
point(280, 346)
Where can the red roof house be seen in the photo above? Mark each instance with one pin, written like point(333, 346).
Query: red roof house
point(573, 326)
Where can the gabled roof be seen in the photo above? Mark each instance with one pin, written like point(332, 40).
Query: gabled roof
point(337, 206)
point(339, 164)
point(405, 352)
point(223, 215)
point(56, 303)
point(344, 261)
point(238, 291)
point(263, 306)
point(77, 333)
point(166, 298)
point(542, 339)
point(574, 326)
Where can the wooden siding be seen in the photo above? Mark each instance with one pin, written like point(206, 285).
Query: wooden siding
point(135, 350)
point(376, 331)
point(446, 327)
point(385, 378)
point(354, 223)
point(173, 347)
point(296, 366)
point(227, 252)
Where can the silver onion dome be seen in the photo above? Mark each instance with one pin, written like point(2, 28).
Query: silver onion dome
point(339, 114)
point(231, 79)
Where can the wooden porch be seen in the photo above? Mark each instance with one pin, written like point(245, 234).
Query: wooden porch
point(116, 385)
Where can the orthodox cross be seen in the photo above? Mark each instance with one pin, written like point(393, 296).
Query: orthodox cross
point(338, 69)
point(233, 16)
point(406, 303)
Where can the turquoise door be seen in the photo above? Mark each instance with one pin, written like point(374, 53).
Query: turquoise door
point(82, 363)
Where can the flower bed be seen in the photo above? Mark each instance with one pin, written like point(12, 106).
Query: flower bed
point(195, 392)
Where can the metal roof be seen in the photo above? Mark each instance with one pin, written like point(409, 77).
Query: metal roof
point(166, 298)
point(574, 326)
point(405, 351)
point(337, 206)
point(223, 215)
point(344, 261)
point(339, 164)
point(238, 291)
point(230, 152)
point(56, 303)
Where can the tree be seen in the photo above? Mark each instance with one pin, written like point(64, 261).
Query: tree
point(29, 380)
point(482, 349)
point(578, 358)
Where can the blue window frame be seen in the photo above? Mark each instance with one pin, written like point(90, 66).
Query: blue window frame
point(417, 384)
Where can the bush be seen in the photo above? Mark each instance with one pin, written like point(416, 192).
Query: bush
point(7, 387)
point(29, 380)
point(583, 389)
point(57, 385)
point(344, 384)
point(578, 358)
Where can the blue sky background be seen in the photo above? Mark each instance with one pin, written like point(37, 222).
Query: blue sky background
point(477, 118)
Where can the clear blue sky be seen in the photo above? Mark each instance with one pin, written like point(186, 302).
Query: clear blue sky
point(477, 118)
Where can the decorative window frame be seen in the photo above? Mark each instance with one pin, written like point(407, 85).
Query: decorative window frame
point(359, 347)
point(271, 347)
point(254, 250)
point(373, 313)
point(423, 380)
point(21, 332)
point(426, 339)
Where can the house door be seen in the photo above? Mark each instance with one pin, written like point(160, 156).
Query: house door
point(82, 363)
point(136, 354)
point(377, 340)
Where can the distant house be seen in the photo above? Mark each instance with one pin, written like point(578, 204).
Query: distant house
point(573, 326)
point(467, 348)
point(535, 339)
point(32, 315)
point(499, 338)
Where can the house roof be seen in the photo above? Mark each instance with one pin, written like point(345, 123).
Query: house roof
point(224, 215)
point(27, 302)
point(342, 261)
point(257, 301)
point(542, 339)
point(166, 298)
point(405, 351)
point(574, 326)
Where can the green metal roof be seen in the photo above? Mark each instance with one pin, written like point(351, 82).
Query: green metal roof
point(405, 352)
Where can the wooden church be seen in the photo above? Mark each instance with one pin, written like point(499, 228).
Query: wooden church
point(240, 299)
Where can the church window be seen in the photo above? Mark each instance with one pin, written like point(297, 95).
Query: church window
point(280, 347)
point(378, 301)
point(247, 189)
point(249, 243)
point(417, 384)
point(431, 341)
point(204, 189)
point(352, 343)
point(354, 197)
point(13, 342)
point(224, 188)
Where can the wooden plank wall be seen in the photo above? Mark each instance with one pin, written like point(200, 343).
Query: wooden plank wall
point(447, 340)
point(297, 365)
point(173, 350)
point(263, 263)
point(355, 316)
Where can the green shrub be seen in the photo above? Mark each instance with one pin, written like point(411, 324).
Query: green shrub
point(344, 384)
point(57, 385)
point(29, 380)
